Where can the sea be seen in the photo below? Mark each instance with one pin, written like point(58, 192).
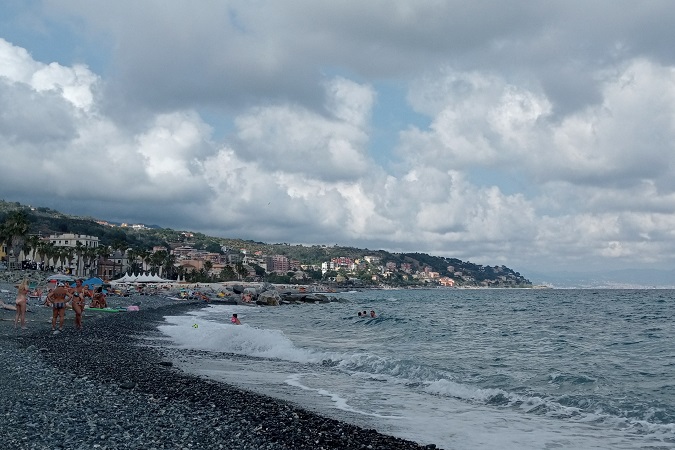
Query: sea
point(459, 368)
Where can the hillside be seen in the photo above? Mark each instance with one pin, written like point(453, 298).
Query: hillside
point(46, 221)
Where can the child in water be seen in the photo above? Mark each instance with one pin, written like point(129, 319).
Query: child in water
point(235, 319)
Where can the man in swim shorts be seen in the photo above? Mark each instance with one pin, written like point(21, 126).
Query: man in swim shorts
point(57, 300)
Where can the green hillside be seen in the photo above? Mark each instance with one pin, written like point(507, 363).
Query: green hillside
point(46, 221)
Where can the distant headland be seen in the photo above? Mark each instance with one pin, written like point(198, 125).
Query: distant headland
point(48, 239)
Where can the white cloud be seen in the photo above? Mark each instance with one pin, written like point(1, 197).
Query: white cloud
point(548, 141)
point(16, 64)
point(588, 171)
point(55, 141)
point(74, 84)
point(350, 102)
point(296, 140)
point(477, 119)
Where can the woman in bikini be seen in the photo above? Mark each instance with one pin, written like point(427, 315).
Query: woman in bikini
point(78, 293)
point(21, 302)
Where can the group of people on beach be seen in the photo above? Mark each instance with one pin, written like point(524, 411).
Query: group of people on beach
point(58, 298)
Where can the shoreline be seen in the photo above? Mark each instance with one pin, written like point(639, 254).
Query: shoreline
point(105, 387)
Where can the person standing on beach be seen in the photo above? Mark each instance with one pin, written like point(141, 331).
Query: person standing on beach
point(57, 299)
point(78, 294)
point(21, 303)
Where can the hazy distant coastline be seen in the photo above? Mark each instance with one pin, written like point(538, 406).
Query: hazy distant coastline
point(610, 279)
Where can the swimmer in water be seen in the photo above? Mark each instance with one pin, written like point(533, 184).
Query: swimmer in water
point(235, 319)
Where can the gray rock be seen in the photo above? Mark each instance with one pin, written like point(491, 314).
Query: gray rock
point(270, 298)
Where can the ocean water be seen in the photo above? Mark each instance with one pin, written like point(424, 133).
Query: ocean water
point(464, 369)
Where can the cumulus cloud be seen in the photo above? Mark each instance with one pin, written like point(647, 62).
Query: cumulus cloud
point(530, 135)
point(293, 139)
point(55, 141)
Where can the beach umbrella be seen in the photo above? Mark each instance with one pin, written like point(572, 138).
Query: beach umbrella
point(91, 282)
point(58, 277)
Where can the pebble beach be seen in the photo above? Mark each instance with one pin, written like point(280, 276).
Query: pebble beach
point(109, 387)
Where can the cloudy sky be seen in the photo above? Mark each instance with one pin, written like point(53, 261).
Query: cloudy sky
point(538, 135)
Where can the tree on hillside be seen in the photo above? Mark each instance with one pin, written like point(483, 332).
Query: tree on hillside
point(208, 265)
point(241, 270)
point(228, 274)
point(13, 231)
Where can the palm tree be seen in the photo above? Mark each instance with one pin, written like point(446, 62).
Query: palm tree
point(89, 256)
point(156, 261)
point(41, 249)
point(208, 265)
point(51, 252)
point(25, 248)
point(241, 270)
point(79, 252)
point(169, 266)
point(65, 255)
point(181, 272)
point(132, 258)
point(31, 245)
point(14, 231)
point(228, 274)
point(145, 259)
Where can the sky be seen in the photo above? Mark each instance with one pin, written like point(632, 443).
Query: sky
point(536, 135)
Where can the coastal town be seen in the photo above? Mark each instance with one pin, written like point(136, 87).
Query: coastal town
point(190, 257)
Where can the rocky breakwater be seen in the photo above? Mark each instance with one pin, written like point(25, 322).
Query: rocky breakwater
point(266, 294)
point(109, 388)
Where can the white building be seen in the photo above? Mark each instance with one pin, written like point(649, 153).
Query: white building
point(79, 263)
point(326, 266)
point(71, 240)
